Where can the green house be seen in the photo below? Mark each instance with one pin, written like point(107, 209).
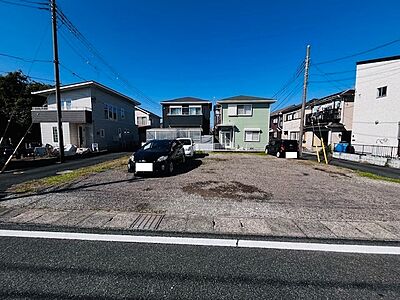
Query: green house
point(242, 122)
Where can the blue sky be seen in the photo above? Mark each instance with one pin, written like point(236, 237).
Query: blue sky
point(209, 49)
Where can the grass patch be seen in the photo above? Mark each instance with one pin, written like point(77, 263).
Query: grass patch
point(36, 185)
point(377, 177)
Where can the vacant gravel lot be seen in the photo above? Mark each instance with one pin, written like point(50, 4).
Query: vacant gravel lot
point(234, 185)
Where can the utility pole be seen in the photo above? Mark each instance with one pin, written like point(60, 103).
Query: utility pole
point(303, 104)
point(57, 80)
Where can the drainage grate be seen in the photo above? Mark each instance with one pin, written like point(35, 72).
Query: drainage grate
point(147, 222)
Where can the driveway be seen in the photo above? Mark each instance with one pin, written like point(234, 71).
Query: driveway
point(230, 193)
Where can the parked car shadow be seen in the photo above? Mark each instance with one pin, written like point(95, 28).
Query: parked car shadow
point(200, 155)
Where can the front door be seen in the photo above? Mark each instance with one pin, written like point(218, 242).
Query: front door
point(226, 139)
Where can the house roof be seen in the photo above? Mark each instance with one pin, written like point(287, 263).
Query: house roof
point(246, 99)
point(79, 85)
point(146, 111)
point(388, 58)
point(326, 99)
point(315, 101)
point(186, 100)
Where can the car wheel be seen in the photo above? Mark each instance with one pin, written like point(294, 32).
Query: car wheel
point(131, 169)
point(171, 167)
point(278, 154)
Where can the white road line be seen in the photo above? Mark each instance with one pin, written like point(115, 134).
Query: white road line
point(341, 248)
point(119, 238)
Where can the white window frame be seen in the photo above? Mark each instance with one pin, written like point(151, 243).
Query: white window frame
point(253, 130)
point(54, 130)
point(195, 106)
point(66, 103)
point(275, 121)
point(232, 110)
point(379, 93)
point(244, 109)
point(172, 106)
point(141, 118)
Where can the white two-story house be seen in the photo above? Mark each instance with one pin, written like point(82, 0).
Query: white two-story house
point(145, 120)
point(376, 118)
point(93, 116)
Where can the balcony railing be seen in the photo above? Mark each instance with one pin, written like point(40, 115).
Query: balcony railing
point(323, 117)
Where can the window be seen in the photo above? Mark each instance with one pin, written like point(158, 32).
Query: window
point(289, 117)
point(194, 110)
point(185, 110)
point(175, 110)
point(275, 120)
point(251, 135)
point(102, 133)
point(110, 112)
point(382, 92)
point(244, 110)
point(106, 111)
point(55, 134)
point(294, 135)
point(122, 114)
point(141, 121)
point(66, 104)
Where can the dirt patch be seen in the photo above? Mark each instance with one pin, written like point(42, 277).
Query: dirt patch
point(231, 190)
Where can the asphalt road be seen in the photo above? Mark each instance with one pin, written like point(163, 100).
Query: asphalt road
point(54, 269)
point(378, 170)
point(14, 177)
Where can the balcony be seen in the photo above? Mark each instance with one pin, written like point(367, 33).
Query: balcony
point(79, 115)
point(323, 117)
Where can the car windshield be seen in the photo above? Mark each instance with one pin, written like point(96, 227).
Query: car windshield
point(158, 145)
point(186, 142)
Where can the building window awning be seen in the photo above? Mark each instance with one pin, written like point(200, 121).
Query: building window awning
point(225, 125)
point(252, 129)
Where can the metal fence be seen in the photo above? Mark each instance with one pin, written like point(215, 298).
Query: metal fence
point(173, 133)
point(377, 150)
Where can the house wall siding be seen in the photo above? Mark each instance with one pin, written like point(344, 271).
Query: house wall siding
point(112, 140)
point(259, 119)
point(202, 121)
point(376, 120)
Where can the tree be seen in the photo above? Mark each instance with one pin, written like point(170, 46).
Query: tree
point(16, 102)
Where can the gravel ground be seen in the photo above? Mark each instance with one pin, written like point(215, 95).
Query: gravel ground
point(234, 185)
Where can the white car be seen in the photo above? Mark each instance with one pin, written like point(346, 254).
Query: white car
point(188, 146)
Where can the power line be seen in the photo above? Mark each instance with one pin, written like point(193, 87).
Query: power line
point(291, 94)
point(32, 77)
point(72, 72)
point(358, 53)
point(292, 79)
point(25, 59)
point(329, 80)
point(30, 5)
point(81, 38)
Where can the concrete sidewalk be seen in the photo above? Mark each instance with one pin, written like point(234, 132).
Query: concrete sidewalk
point(272, 227)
